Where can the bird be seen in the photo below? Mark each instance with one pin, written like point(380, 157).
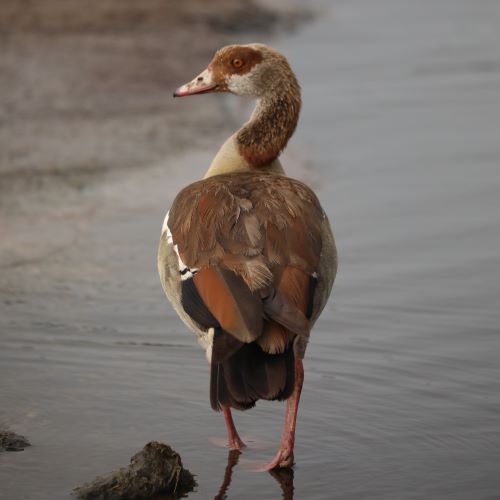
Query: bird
point(247, 256)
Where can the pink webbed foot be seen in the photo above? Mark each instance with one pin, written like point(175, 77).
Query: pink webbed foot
point(230, 444)
point(236, 444)
point(282, 460)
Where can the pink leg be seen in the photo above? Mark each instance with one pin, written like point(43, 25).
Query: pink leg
point(284, 457)
point(234, 441)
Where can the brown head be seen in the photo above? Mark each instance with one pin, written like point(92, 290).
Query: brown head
point(258, 71)
point(249, 70)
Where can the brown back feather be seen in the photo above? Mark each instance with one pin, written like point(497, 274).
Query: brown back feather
point(247, 222)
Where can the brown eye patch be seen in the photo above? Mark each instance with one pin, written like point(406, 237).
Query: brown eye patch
point(234, 59)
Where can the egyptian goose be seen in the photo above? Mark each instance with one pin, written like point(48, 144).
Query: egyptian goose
point(247, 257)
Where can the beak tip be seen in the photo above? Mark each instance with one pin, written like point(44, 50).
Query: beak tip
point(200, 85)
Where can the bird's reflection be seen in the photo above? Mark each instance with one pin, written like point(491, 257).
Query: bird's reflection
point(232, 459)
point(284, 478)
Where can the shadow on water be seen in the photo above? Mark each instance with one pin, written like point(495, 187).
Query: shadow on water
point(284, 478)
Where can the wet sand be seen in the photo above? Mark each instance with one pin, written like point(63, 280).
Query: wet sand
point(399, 137)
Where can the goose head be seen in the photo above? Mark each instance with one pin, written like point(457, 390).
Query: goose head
point(253, 70)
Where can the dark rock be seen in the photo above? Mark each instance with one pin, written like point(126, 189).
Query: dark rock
point(9, 441)
point(156, 470)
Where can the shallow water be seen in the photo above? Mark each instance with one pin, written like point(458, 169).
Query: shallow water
point(400, 138)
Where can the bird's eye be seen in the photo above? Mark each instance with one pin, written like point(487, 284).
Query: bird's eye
point(237, 63)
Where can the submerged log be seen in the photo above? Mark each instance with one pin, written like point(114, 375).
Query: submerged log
point(155, 470)
point(10, 441)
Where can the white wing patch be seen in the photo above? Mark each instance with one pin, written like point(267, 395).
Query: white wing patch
point(184, 271)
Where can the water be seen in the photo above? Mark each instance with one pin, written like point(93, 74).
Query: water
point(399, 137)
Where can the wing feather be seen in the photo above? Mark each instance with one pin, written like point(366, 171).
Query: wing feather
point(256, 240)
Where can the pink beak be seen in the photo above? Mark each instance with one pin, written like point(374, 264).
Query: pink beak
point(202, 84)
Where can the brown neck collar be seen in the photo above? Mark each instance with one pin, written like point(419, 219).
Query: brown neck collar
point(261, 140)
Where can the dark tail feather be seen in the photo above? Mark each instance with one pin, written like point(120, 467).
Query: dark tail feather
point(251, 374)
point(220, 395)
